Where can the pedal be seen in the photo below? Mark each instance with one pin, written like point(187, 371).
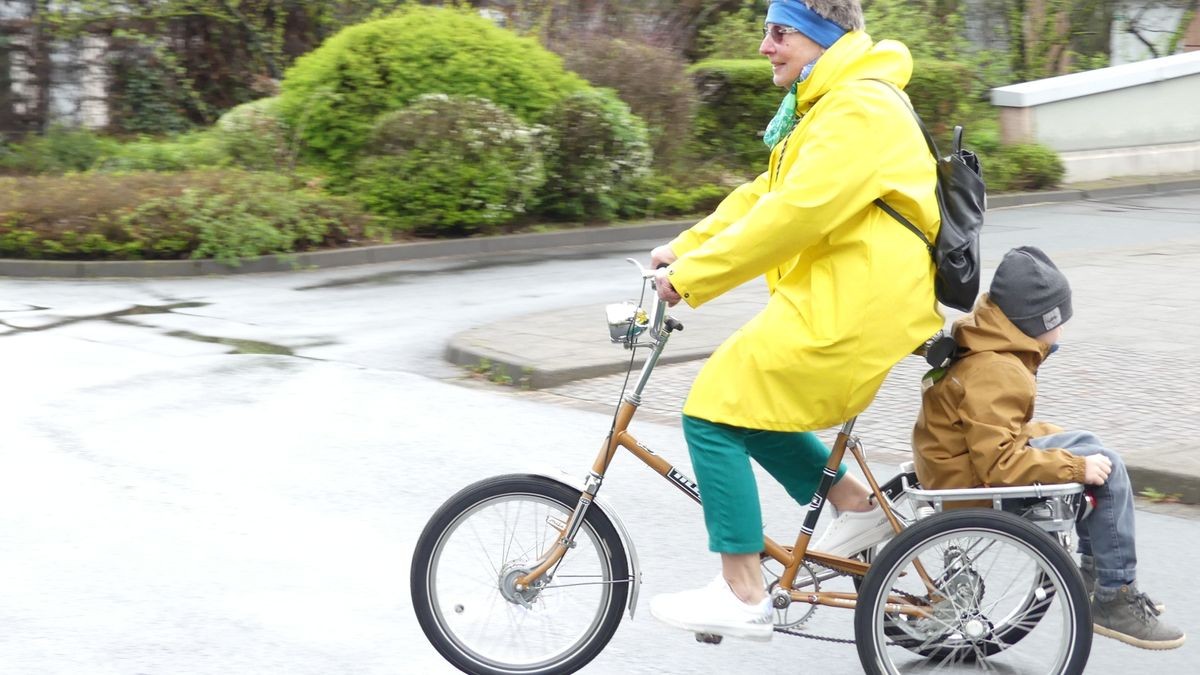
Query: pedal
point(709, 638)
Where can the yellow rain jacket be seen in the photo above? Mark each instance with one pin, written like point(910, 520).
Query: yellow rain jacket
point(851, 288)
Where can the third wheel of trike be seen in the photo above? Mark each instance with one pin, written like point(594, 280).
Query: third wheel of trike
point(973, 590)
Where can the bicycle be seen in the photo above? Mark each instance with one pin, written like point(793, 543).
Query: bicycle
point(550, 597)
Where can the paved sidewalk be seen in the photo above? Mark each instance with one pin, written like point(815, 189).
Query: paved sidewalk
point(1127, 370)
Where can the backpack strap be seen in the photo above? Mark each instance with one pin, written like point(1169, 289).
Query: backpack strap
point(904, 221)
point(932, 149)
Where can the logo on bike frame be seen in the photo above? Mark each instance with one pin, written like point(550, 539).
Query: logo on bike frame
point(684, 483)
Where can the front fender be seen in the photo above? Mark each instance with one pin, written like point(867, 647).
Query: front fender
point(631, 558)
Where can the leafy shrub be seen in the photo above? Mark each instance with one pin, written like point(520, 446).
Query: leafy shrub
point(931, 29)
point(252, 219)
point(220, 214)
point(333, 94)
point(151, 92)
point(736, 35)
point(449, 166)
point(673, 201)
point(653, 81)
point(1023, 167)
point(60, 150)
point(596, 154)
point(184, 152)
point(737, 100)
point(254, 135)
point(982, 135)
point(938, 90)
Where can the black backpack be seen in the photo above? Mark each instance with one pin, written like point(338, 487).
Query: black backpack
point(962, 199)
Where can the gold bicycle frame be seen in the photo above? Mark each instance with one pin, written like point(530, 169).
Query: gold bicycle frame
point(791, 558)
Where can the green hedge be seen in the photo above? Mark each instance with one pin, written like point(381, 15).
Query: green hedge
point(253, 135)
point(1022, 167)
point(597, 155)
point(938, 90)
point(737, 100)
point(224, 215)
point(449, 166)
point(333, 95)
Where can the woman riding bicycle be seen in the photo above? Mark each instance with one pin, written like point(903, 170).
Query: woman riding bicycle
point(852, 293)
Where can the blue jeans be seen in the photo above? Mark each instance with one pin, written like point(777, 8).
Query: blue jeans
point(1107, 534)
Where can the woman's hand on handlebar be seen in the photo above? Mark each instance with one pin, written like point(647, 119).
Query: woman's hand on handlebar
point(662, 255)
point(666, 292)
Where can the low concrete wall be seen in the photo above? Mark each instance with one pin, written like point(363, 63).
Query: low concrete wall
point(1137, 119)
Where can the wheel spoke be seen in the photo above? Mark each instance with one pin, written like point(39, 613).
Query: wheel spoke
point(1006, 600)
point(477, 611)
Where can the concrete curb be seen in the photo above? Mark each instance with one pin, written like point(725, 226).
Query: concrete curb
point(366, 255)
point(498, 366)
point(1167, 482)
point(482, 246)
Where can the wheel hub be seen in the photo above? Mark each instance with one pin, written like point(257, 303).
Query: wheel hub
point(512, 591)
point(974, 629)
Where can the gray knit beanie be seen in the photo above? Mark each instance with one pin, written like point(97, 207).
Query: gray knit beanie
point(1031, 291)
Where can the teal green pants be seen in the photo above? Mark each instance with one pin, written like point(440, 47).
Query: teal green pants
point(721, 459)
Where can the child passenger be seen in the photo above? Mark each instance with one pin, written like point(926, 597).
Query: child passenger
point(975, 429)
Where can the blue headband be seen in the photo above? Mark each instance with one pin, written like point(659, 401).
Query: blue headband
point(796, 14)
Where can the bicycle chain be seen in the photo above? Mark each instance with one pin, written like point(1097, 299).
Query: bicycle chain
point(844, 641)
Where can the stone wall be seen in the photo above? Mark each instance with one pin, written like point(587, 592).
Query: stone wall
point(77, 79)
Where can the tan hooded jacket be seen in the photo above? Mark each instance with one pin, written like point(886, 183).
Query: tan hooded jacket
point(974, 427)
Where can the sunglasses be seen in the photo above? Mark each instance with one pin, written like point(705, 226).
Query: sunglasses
point(777, 31)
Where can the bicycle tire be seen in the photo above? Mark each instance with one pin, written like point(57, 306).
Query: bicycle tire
point(444, 621)
point(958, 629)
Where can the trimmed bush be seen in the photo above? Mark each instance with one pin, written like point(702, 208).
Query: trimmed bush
point(737, 100)
point(60, 150)
point(449, 166)
point(253, 135)
point(333, 95)
point(1023, 167)
point(597, 154)
point(938, 90)
point(220, 214)
point(185, 152)
point(674, 201)
point(736, 35)
point(653, 81)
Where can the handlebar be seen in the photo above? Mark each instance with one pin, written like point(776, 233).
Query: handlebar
point(658, 317)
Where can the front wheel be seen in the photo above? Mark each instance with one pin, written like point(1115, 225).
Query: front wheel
point(480, 542)
point(973, 590)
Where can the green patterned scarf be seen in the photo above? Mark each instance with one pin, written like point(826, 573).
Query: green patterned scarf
point(785, 118)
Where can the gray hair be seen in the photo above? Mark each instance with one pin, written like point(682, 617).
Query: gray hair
point(846, 13)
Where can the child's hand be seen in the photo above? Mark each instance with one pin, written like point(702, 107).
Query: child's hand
point(1096, 469)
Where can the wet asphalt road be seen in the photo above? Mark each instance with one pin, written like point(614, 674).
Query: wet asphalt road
point(231, 478)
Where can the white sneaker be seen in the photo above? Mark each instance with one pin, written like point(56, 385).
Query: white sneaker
point(853, 531)
point(714, 609)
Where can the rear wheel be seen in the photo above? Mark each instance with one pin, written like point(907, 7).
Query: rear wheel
point(1001, 595)
point(480, 542)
